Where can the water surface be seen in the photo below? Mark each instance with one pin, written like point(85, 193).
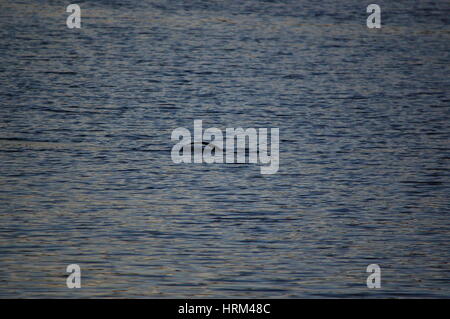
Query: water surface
point(86, 175)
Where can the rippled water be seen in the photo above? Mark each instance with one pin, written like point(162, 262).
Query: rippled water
point(86, 175)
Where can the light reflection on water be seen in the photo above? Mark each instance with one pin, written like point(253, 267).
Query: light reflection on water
point(86, 174)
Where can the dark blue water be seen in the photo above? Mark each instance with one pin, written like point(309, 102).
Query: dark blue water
point(86, 175)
